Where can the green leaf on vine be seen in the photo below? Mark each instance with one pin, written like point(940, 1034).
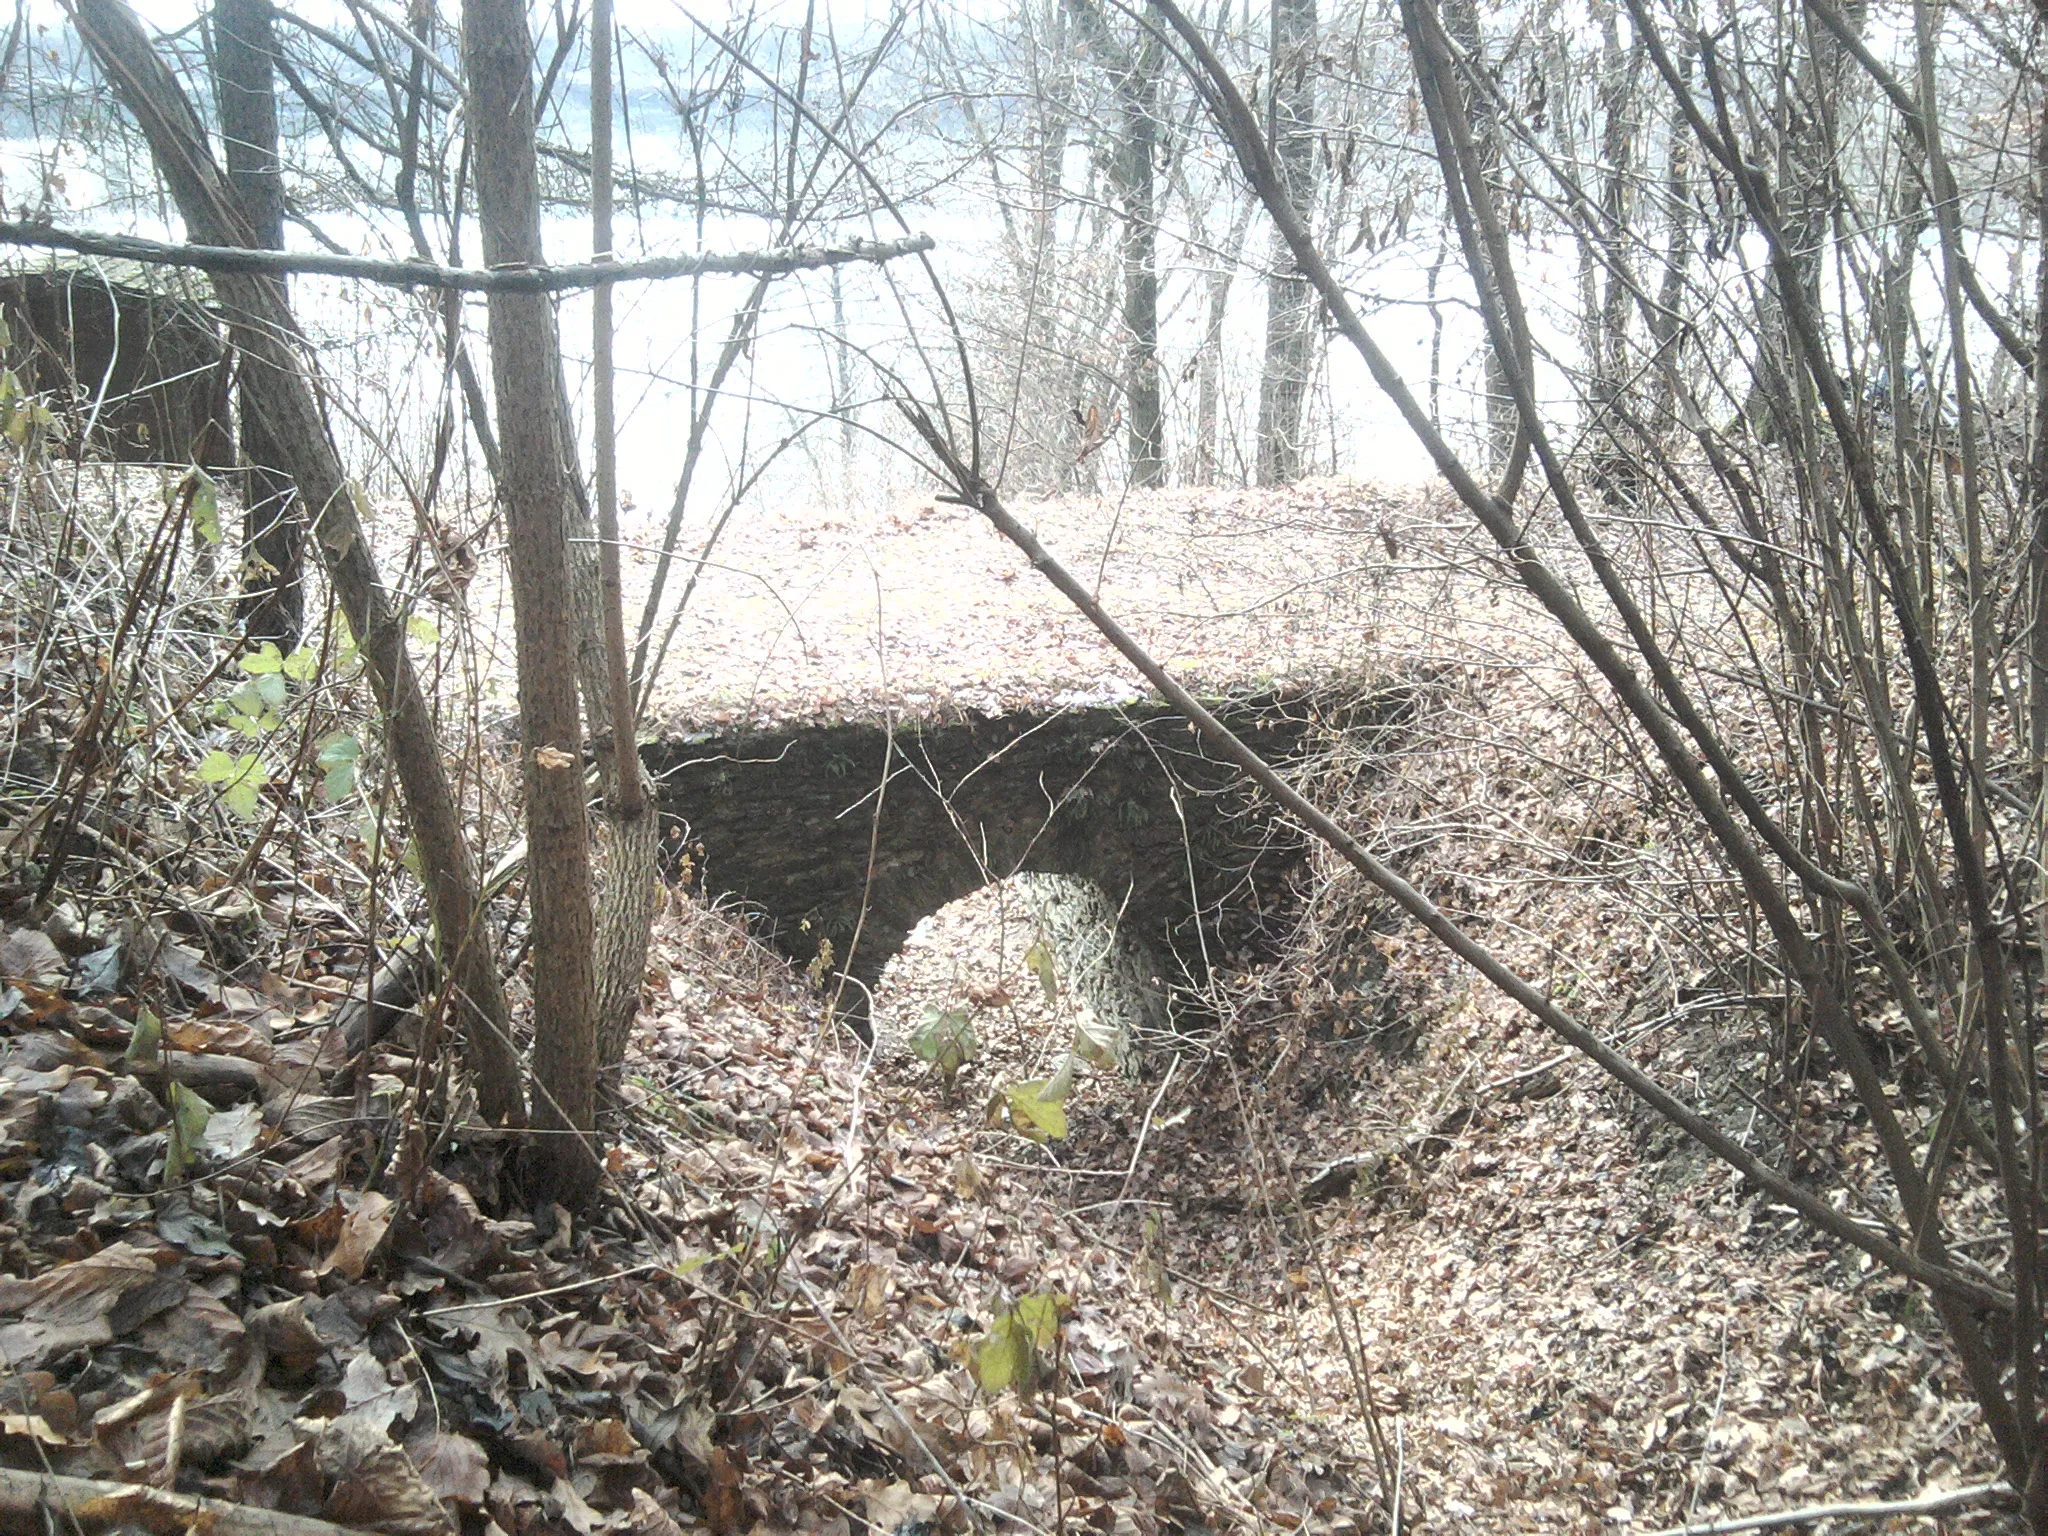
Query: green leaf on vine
point(337, 762)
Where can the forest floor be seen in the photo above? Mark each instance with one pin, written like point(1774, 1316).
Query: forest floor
point(919, 606)
point(1364, 1253)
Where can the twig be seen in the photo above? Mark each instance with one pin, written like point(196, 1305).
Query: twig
point(1400, 1470)
point(1927, 1504)
point(425, 274)
point(174, 1442)
point(1713, 1423)
point(1144, 1130)
point(28, 1498)
point(576, 1285)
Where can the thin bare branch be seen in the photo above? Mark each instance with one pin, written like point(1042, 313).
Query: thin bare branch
point(423, 274)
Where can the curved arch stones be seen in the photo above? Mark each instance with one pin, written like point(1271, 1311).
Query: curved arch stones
point(798, 823)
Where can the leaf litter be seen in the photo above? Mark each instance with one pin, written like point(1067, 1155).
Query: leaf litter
point(804, 1317)
point(825, 1293)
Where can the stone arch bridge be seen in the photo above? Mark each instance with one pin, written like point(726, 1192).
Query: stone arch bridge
point(850, 833)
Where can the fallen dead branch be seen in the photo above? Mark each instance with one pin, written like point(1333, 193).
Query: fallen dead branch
point(1943, 1503)
point(28, 1499)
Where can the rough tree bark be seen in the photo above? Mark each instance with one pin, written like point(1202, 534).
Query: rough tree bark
point(1461, 22)
point(273, 524)
point(1663, 316)
point(1809, 87)
point(1134, 75)
point(1291, 307)
point(276, 372)
point(625, 911)
point(1616, 463)
point(535, 491)
point(2037, 473)
point(1209, 367)
point(1138, 93)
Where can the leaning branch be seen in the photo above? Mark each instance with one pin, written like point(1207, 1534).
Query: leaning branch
point(1928, 1504)
point(425, 274)
point(970, 490)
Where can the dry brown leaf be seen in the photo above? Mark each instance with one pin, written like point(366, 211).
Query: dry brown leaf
point(724, 1506)
point(89, 1301)
point(892, 1506)
point(382, 1491)
point(215, 1430)
point(318, 1167)
point(27, 954)
point(188, 969)
point(968, 1180)
point(867, 1289)
point(649, 1518)
point(606, 1437)
point(42, 1005)
point(456, 1232)
point(453, 1466)
point(198, 1334)
point(29, 1426)
point(283, 1334)
point(218, 1036)
point(566, 1505)
point(362, 1230)
point(371, 1397)
point(1175, 1501)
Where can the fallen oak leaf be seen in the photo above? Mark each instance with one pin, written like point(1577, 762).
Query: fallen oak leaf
point(376, 1486)
point(362, 1232)
point(648, 1518)
point(86, 1302)
point(37, 1005)
point(29, 955)
point(284, 1335)
point(454, 1467)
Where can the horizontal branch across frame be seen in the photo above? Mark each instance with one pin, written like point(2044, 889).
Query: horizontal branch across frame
point(425, 274)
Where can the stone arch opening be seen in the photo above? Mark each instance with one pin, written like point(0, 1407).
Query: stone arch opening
point(992, 953)
point(842, 837)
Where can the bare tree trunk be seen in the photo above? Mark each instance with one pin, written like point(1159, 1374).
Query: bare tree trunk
point(1134, 176)
point(1138, 91)
point(842, 390)
point(273, 525)
point(1209, 362)
point(1806, 112)
point(1663, 319)
point(1461, 23)
point(2037, 724)
point(535, 492)
point(283, 397)
point(1617, 465)
point(1290, 304)
point(1898, 392)
point(625, 909)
